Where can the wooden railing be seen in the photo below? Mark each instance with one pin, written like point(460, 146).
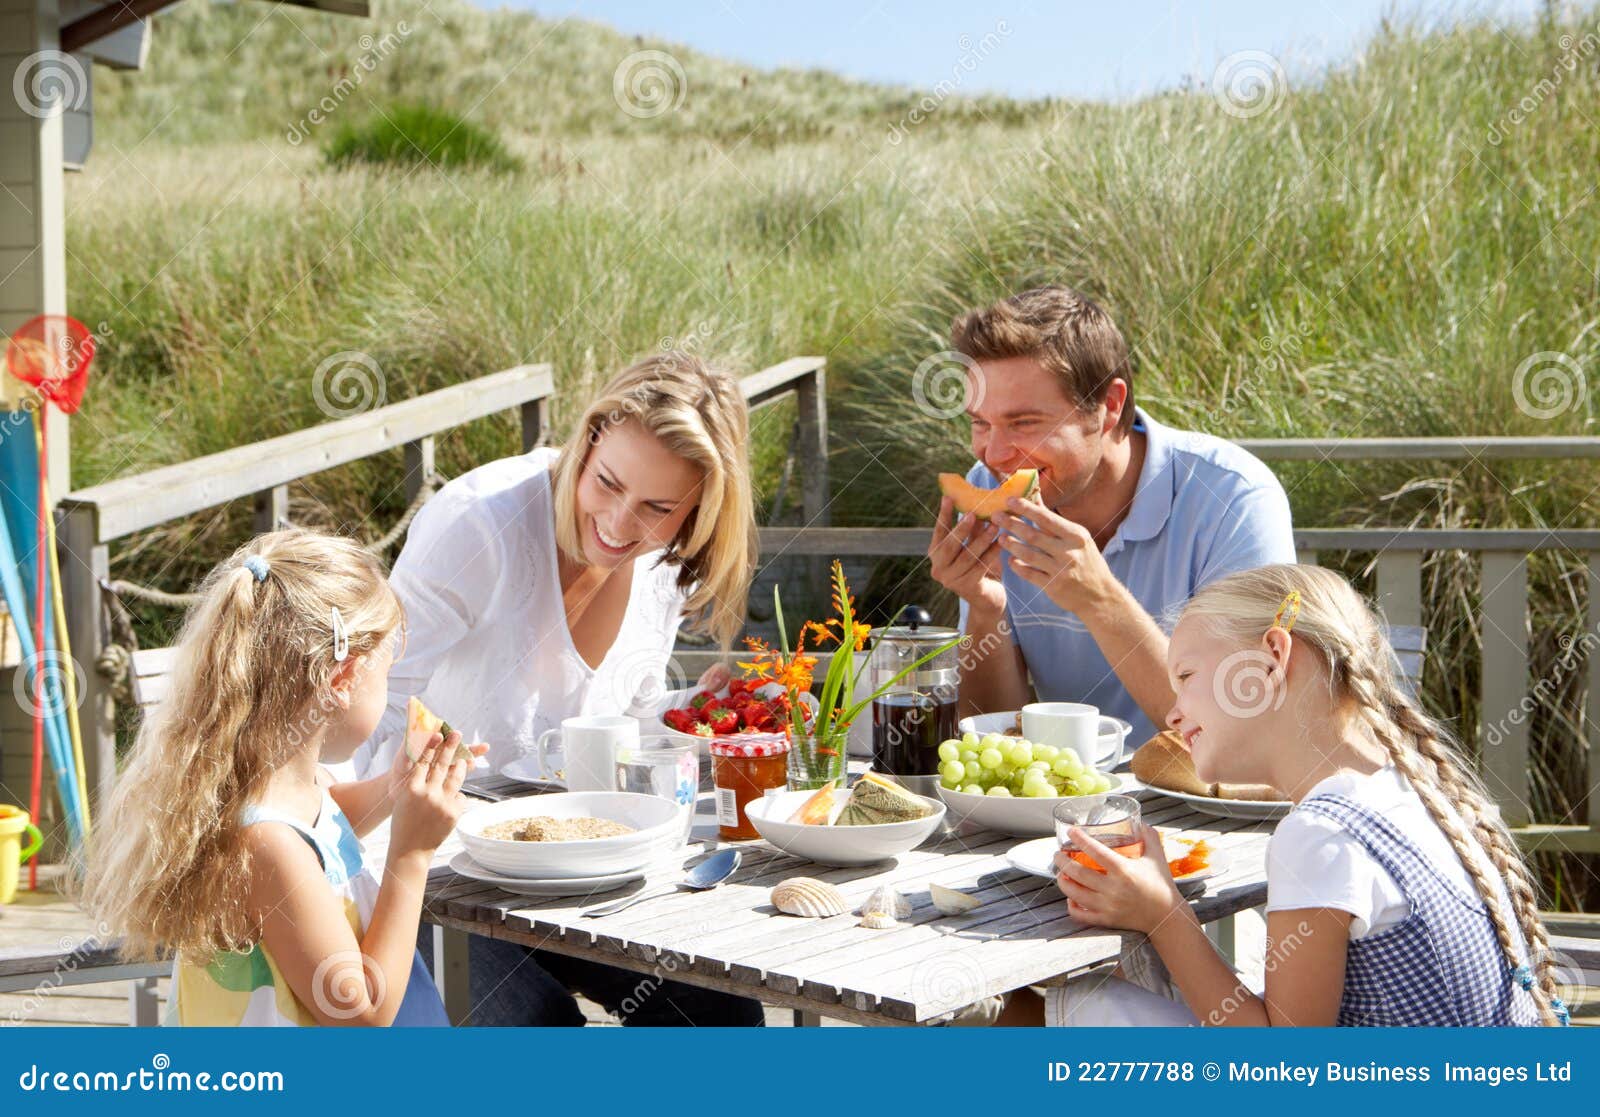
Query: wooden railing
point(90, 519)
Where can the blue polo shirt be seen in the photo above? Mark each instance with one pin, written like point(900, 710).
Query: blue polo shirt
point(1203, 508)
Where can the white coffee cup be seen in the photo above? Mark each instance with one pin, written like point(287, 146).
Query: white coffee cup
point(1068, 725)
point(588, 751)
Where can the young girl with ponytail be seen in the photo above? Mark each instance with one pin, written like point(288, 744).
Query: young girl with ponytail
point(1395, 895)
point(227, 843)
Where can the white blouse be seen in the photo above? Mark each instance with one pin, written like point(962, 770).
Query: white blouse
point(486, 640)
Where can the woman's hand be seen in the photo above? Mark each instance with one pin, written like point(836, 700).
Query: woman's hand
point(429, 801)
point(1134, 893)
point(716, 677)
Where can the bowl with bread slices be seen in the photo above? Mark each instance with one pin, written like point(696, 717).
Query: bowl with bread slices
point(1163, 764)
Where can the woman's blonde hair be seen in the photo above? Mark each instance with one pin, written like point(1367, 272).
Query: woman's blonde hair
point(699, 414)
point(1337, 623)
point(167, 865)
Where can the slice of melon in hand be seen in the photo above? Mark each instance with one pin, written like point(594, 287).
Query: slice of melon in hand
point(970, 500)
point(421, 724)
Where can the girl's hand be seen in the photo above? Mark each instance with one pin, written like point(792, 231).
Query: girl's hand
point(1134, 893)
point(429, 800)
point(715, 678)
point(400, 770)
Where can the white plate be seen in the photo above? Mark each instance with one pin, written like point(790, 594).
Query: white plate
point(846, 846)
point(525, 769)
point(1036, 858)
point(1113, 733)
point(462, 864)
point(1230, 808)
point(1014, 814)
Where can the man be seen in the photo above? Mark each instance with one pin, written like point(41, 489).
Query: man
point(1131, 516)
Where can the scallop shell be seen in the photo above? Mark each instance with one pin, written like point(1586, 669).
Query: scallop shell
point(879, 920)
point(888, 900)
point(951, 902)
point(809, 897)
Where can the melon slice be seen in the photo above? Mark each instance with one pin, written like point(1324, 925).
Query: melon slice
point(421, 724)
point(983, 503)
point(816, 809)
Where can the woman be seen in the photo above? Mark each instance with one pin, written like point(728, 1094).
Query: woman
point(552, 585)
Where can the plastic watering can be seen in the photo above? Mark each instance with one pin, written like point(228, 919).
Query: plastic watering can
point(13, 825)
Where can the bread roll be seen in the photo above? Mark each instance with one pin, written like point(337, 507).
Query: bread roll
point(1162, 761)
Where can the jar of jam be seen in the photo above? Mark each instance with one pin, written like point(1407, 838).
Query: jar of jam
point(742, 769)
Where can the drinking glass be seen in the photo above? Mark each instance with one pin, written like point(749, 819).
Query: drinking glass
point(1112, 820)
point(662, 768)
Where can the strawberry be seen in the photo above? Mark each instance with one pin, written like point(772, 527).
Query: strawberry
point(724, 722)
point(703, 730)
point(699, 700)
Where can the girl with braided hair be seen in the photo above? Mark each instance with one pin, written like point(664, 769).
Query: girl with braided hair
point(1395, 895)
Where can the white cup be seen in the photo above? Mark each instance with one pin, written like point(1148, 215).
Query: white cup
point(1068, 725)
point(588, 751)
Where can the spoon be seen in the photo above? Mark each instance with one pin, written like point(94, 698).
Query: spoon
point(706, 875)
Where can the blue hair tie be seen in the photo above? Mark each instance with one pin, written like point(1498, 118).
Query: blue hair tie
point(257, 566)
point(1559, 1008)
point(1523, 977)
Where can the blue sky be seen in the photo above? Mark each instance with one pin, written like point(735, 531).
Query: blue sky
point(1099, 50)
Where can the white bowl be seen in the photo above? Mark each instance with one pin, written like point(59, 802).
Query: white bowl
point(846, 846)
point(1010, 814)
point(1112, 742)
point(656, 823)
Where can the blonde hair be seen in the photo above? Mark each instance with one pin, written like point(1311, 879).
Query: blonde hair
point(167, 865)
point(698, 414)
point(1337, 623)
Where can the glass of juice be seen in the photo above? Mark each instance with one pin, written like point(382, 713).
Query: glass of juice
point(1112, 820)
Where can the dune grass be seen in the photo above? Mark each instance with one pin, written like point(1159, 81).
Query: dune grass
point(1375, 254)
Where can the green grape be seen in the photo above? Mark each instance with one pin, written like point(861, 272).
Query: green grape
point(974, 771)
point(951, 772)
point(1064, 767)
point(969, 740)
point(1045, 752)
point(969, 756)
point(991, 741)
point(991, 758)
point(1040, 766)
point(1039, 791)
point(1072, 755)
point(999, 792)
point(1005, 772)
point(950, 750)
point(1020, 753)
point(972, 789)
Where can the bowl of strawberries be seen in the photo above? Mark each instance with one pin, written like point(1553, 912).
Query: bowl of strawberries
point(746, 707)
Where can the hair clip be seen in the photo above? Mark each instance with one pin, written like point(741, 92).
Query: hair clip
point(341, 637)
point(257, 566)
point(1288, 612)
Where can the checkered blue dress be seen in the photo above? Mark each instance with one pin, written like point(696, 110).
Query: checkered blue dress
point(1442, 966)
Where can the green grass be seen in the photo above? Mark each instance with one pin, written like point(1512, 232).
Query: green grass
point(1375, 256)
point(412, 135)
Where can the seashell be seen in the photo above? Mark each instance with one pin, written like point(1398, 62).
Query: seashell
point(809, 897)
point(951, 902)
point(879, 920)
point(888, 900)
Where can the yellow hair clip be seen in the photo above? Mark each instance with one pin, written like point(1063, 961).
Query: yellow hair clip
point(1287, 613)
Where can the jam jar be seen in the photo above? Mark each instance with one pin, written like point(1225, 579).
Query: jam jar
point(742, 769)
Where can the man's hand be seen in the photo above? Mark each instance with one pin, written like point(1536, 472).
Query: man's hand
point(966, 561)
point(1057, 555)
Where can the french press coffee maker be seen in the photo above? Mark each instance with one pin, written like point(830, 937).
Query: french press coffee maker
point(918, 711)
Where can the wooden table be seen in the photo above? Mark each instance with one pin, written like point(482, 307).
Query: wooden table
point(921, 972)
